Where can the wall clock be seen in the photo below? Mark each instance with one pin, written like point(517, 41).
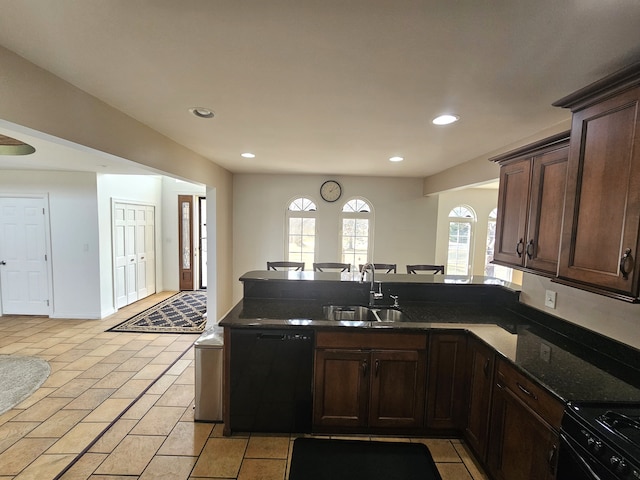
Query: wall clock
point(330, 191)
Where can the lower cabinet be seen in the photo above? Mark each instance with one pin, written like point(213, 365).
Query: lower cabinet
point(446, 395)
point(481, 361)
point(523, 442)
point(369, 381)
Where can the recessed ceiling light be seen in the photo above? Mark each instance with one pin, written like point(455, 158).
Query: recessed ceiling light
point(202, 112)
point(445, 119)
point(248, 155)
point(396, 159)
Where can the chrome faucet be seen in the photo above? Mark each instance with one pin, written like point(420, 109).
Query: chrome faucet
point(373, 295)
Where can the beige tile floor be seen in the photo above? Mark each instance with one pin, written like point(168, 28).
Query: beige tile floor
point(120, 405)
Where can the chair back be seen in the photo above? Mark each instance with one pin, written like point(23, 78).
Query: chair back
point(321, 266)
point(388, 267)
point(296, 266)
point(425, 268)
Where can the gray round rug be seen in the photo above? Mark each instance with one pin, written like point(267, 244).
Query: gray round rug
point(19, 378)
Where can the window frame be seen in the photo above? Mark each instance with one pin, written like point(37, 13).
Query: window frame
point(302, 213)
point(370, 228)
point(471, 221)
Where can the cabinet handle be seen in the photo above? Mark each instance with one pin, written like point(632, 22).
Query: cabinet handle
point(364, 367)
point(527, 392)
point(520, 248)
point(552, 458)
point(623, 262)
point(485, 369)
point(377, 367)
point(530, 248)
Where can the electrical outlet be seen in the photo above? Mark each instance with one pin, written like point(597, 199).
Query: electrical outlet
point(545, 352)
point(550, 299)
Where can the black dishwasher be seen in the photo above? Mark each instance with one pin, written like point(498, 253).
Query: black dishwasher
point(271, 380)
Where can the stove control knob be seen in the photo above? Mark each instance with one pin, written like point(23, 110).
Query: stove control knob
point(622, 466)
point(595, 445)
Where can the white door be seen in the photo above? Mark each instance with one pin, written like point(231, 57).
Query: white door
point(119, 257)
point(130, 240)
point(134, 252)
point(24, 280)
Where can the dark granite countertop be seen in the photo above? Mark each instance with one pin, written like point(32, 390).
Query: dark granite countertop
point(574, 371)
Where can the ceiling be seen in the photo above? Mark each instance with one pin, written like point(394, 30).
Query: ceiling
point(326, 86)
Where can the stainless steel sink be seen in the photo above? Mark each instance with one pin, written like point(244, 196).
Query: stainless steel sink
point(363, 314)
point(342, 313)
point(389, 315)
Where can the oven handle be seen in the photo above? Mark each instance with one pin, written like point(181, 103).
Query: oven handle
point(576, 456)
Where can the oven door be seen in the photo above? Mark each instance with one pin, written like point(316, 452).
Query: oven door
point(575, 463)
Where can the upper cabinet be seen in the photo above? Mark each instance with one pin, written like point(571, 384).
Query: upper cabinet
point(530, 198)
point(601, 223)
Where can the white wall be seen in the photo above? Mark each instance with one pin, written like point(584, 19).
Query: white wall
point(138, 189)
point(404, 230)
point(73, 216)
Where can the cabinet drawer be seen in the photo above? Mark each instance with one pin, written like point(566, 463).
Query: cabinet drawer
point(533, 395)
point(371, 340)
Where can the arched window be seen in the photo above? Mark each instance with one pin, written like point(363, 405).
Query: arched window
point(301, 231)
point(356, 231)
point(461, 221)
point(491, 270)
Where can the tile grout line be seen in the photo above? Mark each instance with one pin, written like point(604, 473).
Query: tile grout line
point(121, 414)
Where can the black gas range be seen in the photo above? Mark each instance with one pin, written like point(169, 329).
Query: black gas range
point(600, 441)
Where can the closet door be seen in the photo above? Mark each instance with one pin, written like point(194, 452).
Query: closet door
point(134, 252)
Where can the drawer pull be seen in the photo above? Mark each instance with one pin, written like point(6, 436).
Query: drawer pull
point(485, 369)
point(552, 458)
point(520, 248)
point(377, 367)
point(527, 392)
point(364, 367)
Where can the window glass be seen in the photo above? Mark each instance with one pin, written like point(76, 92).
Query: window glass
point(356, 232)
point(491, 270)
point(461, 221)
point(301, 231)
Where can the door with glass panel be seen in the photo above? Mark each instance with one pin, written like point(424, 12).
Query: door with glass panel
point(185, 241)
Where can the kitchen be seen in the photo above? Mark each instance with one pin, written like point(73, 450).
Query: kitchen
point(243, 192)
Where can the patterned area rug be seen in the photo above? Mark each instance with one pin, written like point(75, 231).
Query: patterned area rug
point(180, 313)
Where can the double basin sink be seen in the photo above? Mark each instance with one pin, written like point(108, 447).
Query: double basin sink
point(358, 313)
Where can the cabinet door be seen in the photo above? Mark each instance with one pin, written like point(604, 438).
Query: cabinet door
point(481, 360)
point(511, 223)
point(341, 388)
point(397, 388)
point(522, 446)
point(446, 384)
point(548, 182)
point(602, 213)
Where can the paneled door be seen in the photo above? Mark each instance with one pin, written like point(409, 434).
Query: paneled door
point(185, 241)
point(24, 273)
point(134, 252)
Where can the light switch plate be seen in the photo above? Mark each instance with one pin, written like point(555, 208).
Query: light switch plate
point(550, 299)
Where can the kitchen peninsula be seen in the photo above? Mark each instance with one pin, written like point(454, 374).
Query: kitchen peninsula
point(467, 359)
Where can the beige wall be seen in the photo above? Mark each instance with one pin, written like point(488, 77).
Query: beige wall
point(404, 219)
point(36, 99)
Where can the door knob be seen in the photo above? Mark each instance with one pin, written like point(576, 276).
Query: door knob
point(3, 262)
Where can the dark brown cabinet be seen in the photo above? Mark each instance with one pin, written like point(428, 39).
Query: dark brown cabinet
point(530, 199)
point(481, 361)
point(446, 398)
point(602, 214)
point(369, 381)
point(525, 419)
